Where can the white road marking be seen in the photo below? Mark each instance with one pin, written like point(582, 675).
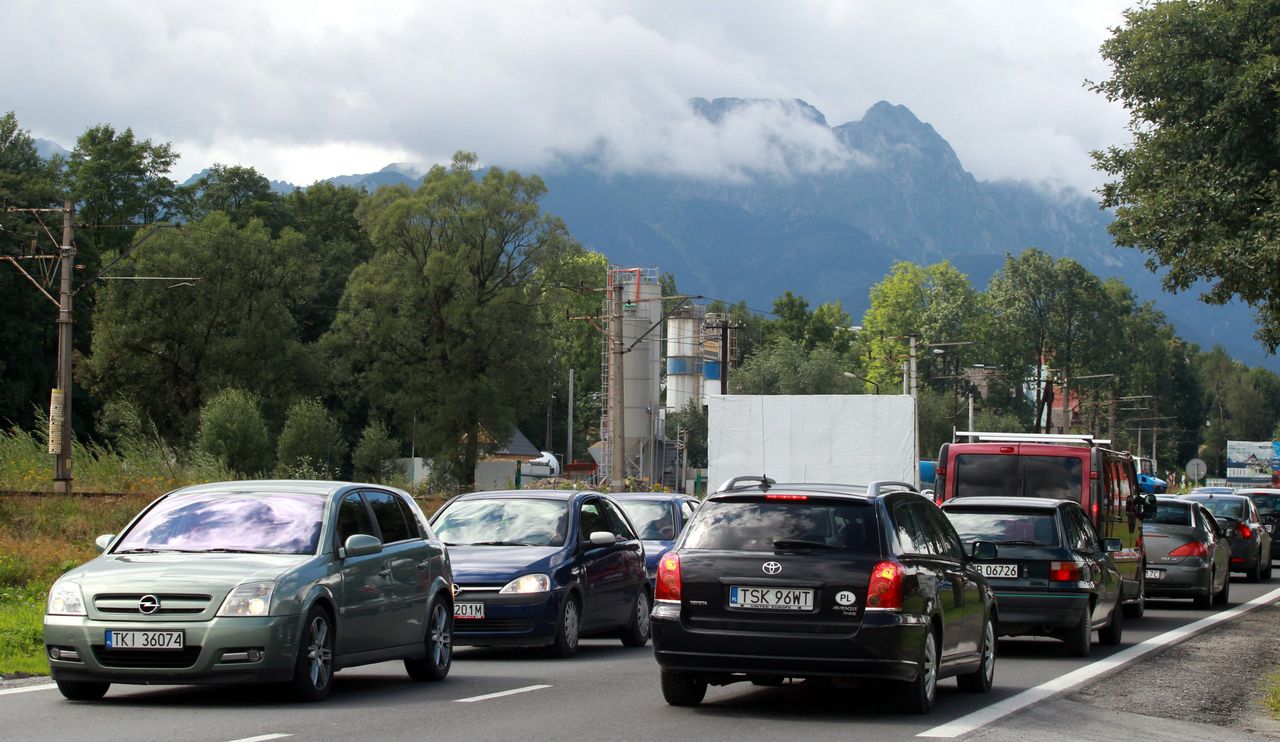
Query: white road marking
point(1000, 709)
point(262, 737)
point(512, 692)
point(28, 688)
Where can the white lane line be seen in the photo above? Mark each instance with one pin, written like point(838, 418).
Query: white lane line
point(28, 688)
point(1000, 709)
point(512, 692)
point(262, 737)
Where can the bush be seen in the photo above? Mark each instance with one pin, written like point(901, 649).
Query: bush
point(311, 443)
point(233, 432)
point(372, 461)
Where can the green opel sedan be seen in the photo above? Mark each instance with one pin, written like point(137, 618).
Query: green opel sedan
point(284, 581)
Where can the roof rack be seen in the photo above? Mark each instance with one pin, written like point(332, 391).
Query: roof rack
point(1034, 437)
point(743, 482)
point(873, 488)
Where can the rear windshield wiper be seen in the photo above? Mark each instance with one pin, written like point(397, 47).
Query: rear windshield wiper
point(1020, 542)
point(798, 543)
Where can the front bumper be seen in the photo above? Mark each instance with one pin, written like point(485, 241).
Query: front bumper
point(215, 651)
point(510, 620)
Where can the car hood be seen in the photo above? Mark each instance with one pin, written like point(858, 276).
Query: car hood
point(494, 564)
point(173, 572)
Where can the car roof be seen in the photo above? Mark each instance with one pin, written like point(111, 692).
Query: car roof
point(1256, 491)
point(1037, 503)
point(1198, 496)
point(564, 495)
point(289, 486)
point(1212, 491)
point(759, 485)
point(650, 496)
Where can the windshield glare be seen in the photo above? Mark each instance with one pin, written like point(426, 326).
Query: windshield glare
point(1221, 507)
point(513, 522)
point(1032, 528)
point(274, 523)
point(1267, 504)
point(1171, 513)
point(652, 519)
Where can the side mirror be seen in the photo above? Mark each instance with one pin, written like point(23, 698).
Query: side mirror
point(985, 550)
point(1112, 545)
point(602, 538)
point(1149, 506)
point(103, 541)
point(360, 544)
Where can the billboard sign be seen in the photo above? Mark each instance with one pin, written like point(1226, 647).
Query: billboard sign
point(1253, 462)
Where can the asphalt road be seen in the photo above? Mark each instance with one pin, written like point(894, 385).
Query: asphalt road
point(607, 692)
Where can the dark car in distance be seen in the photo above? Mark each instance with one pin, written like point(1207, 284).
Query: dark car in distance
point(659, 517)
point(1267, 500)
point(1250, 542)
point(1052, 575)
point(773, 581)
point(544, 568)
point(1188, 553)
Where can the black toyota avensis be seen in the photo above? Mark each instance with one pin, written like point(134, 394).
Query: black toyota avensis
point(774, 581)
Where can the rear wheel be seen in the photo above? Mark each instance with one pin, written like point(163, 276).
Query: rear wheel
point(1205, 600)
point(1111, 634)
point(1080, 638)
point(918, 696)
point(82, 690)
point(1255, 572)
point(1137, 608)
point(980, 680)
point(313, 670)
point(1221, 597)
point(566, 641)
point(1266, 569)
point(683, 690)
point(439, 658)
point(636, 633)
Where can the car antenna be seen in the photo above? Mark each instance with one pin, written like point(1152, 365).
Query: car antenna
point(764, 463)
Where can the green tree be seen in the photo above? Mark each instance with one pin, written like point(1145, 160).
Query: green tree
point(691, 424)
point(116, 180)
point(1196, 190)
point(436, 327)
point(785, 366)
point(373, 457)
point(311, 439)
point(232, 431)
point(334, 241)
point(238, 191)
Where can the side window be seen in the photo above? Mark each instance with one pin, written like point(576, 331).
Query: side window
point(617, 523)
point(416, 529)
point(1080, 532)
point(1210, 522)
point(687, 509)
point(389, 516)
point(353, 518)
point(911, 534)
point(945, 540)
point(590, 519)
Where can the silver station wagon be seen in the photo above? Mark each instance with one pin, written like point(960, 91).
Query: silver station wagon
point(284, 581)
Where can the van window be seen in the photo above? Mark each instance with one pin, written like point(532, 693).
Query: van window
point(997, 475)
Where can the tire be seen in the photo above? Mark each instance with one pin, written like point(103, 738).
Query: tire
point(980, 680)
point(636, 633)
point(682, 690)
point(569, 629)
point(1222, 596)
point(1266, 570)
point(1138, 608)
point(82, 690)
point(1079, 639)
point(1255, 572)
point(439, 640)
point(1111, 634)
point(1207, 599)
point(313, 670)
point(919, 694)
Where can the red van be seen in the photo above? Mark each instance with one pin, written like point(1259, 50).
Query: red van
point(1063, 467)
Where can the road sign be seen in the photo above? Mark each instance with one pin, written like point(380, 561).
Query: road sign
point(1196, 469)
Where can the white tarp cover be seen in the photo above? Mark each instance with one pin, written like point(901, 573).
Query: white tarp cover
point(834, 438)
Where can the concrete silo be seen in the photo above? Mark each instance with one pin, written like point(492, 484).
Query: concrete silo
point(684, 357)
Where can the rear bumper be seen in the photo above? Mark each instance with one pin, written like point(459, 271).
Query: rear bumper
point(1179, 582)
point(1023, 613)
point(886, 645)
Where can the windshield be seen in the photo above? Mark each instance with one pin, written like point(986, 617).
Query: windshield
point(1221, 507)
point(255, 522)
point(1267, 504)
point(654, 520)
point(1030, 528)
point(761, 525)
point(1171, 513)
point(507, 522)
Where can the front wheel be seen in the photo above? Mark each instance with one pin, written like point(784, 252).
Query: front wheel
point(82, 690)
point(313, 670)
point(919, 694)
point(439, 658)
point(636, 632)
point(683, 690)
point(980, 680)
point(569, 629)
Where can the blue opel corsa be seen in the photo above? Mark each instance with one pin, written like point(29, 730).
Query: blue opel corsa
point(544, 568)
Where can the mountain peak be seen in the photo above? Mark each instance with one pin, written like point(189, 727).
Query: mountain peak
point(716, 109)
point(894, 135)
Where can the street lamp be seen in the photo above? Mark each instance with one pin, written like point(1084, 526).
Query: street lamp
point(859, 378)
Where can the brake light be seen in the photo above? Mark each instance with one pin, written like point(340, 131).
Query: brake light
point(786, 497)
point(668, 577)
point(1244, 531)
point(1064, 572)
point(1006, 449)
point(885, 590)
point(1193, 549)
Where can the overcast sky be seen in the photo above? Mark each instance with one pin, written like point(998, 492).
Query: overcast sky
point(307, 90)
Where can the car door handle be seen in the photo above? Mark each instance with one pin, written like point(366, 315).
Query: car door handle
point(424, 564)
point(384, 572)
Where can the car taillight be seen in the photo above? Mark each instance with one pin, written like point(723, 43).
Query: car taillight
point(1064, 572)
point(1244, 531)
point(668, 577)
point(885, 590)
point(786, 497)
point(1193, 549)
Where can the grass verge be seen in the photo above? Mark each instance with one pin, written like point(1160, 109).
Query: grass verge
point(1271, 695)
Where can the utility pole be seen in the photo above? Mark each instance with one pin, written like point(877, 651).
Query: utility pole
point(60, 419)
point(568, 446)
point(617, 430)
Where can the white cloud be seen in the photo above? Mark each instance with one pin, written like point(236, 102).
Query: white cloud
point(303, 90)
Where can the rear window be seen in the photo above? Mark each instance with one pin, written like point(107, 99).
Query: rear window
point(1221, 507)
point(1003, 527)
point(1267, 504)
point(785, 526)
point(1171, 513)
point(1005, 475)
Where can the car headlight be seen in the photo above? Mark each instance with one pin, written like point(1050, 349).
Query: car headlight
point(249, 599)
point(535, 583)
point(65, 599)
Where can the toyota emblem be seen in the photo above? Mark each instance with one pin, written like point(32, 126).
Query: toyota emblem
point(771, 568)
point(148, 604)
